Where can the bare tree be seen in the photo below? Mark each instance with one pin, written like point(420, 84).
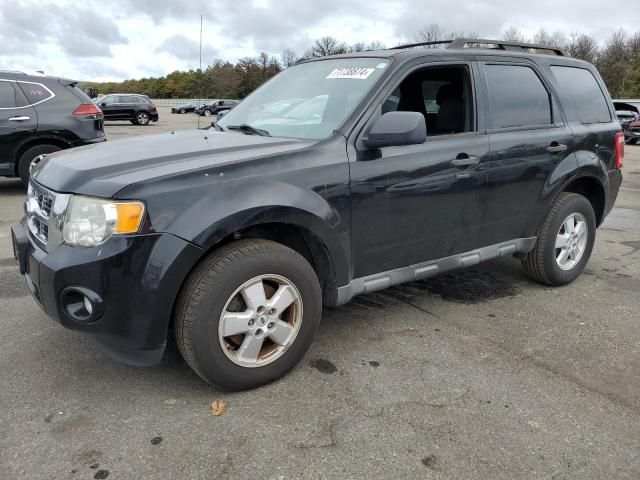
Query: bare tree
point(288, 58)
point(326, 46)
point(435, 33)
point(583, 47)
point(365, 47)
point(513, 34)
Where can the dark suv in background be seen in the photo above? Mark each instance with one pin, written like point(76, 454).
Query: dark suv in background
point(403, 164)
point(216, 108)
point(40, 115)
point(138, 109)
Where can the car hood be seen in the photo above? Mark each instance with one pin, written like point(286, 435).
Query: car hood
point(104, 169)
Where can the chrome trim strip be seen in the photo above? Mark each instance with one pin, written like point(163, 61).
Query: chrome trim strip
point(380, 281)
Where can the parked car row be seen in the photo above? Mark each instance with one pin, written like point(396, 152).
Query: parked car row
point(218, 108)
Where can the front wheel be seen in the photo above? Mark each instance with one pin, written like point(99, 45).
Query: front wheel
point(207, 113)
point(247, 314)
point(565, 241)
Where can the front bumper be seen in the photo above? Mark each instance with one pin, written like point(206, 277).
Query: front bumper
point(135, 280)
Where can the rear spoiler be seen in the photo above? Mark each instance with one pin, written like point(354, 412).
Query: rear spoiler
point(67, 82)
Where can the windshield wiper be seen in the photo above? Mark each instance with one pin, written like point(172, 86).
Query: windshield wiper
point(217, 127)
point(249, 130)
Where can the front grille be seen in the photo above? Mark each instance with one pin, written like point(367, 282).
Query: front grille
point(40, 202)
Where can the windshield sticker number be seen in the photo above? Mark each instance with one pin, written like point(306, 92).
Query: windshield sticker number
point(352, 72)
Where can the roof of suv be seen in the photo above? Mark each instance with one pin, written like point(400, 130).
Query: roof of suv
point(17, 75)
point(457, 47)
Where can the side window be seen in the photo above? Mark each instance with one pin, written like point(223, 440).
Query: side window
point(125, 99)
point(110, 100)
point(35, 92)
point(581, 87)
point(517, 96)
point(442, 94)
point(10, 96)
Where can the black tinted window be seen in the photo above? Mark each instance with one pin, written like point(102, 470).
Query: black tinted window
point(35, 92)
point(518, 97)
point(10, 96)
point(581, 87)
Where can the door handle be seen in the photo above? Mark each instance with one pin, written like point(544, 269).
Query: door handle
point(19, 119)
point(464, 160)
point(556, 147)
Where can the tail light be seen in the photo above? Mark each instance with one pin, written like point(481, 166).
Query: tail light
point(619, 139)
point(88, 111)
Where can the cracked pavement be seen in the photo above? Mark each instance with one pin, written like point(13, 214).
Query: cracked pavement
point(478, 374)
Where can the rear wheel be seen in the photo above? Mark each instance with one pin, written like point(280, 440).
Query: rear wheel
point(248, 313)
point(182, 110)
point(207, 112)
point(564, 242)
point(28, 158)
point(142, 118)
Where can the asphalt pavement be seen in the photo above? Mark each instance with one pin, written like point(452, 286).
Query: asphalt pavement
point(479, 374)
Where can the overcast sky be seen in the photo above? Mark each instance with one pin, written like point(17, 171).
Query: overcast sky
point(120, 39)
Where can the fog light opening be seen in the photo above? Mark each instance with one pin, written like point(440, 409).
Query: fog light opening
point(80, 304)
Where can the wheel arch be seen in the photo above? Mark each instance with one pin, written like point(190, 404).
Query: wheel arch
point(593, 190)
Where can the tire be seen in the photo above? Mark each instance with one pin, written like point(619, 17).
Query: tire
point(206, 113)
point(182, 110)
point(29, 156)
point(546, 263)
point(210, 291)
point(142, 118)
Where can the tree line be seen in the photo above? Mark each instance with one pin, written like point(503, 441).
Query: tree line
point(618, 61)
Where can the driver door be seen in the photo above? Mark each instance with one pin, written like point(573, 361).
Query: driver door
point(415, 203)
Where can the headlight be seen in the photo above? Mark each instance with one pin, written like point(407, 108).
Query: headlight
point(90, 221)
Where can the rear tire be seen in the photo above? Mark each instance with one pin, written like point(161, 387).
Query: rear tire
point(182, 110)
point(206, 113)
point(233, 290)
point(27, 158)
point(142, 118)
point(565, 241)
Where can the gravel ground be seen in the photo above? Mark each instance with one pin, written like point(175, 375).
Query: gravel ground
point(478, 374)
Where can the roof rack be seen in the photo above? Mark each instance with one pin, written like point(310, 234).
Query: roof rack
point(499, 44)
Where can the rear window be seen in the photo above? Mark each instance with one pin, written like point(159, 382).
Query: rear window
point(10, 96)
point(581, 87)
point(518, 97)
point(35, 92)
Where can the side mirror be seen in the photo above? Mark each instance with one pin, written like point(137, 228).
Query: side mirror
point(103, 104)
point(395, 129)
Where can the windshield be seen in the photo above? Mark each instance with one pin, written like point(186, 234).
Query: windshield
point(309, 100)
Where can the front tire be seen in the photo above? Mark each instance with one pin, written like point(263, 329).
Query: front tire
point(565, 241)
point(248, 314)
point(27, 158)
point(206, 113)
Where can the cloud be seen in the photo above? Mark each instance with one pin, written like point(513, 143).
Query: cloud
point(144, 37)
point(185, 48)
point(77, 31)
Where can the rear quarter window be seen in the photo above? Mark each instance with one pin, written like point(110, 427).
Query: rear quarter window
point(35, 92)
point(580, 87)
point(11, 96)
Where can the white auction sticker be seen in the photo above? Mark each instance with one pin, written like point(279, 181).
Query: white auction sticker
point(358, 73)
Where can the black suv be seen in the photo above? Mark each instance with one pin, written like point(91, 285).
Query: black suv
point(396, 166)
point(138, 109)
point(40, 115)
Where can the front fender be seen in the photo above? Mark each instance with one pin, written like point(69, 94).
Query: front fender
point(234, 206)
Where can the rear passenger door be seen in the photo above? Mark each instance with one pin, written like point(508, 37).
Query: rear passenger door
point(529, 140)
point(18, 123)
